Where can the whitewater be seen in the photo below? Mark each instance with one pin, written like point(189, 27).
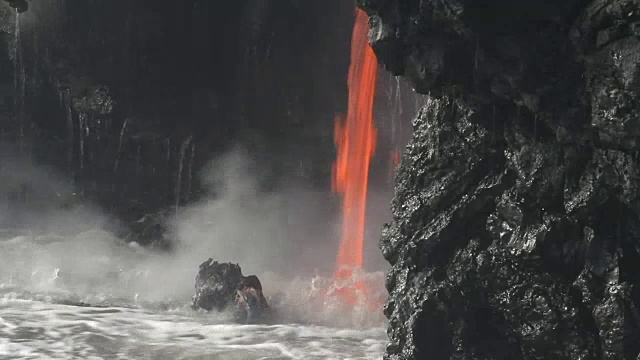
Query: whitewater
point(93, 296)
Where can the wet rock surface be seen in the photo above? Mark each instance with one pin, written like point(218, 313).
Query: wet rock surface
point(222, 287)
point(132, 102)
point(516, 225)
point(20, 5)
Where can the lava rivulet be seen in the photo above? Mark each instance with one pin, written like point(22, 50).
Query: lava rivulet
point(355, 138)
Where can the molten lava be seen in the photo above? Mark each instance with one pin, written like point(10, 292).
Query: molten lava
point(355, 138)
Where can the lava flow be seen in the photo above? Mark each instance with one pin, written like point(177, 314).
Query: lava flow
point(355, 138)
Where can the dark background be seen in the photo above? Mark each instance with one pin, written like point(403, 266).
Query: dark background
point(128, 100)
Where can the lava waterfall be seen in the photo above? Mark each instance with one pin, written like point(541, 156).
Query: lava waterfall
point(355, 139)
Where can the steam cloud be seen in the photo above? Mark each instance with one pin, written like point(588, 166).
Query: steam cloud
point(63, 246)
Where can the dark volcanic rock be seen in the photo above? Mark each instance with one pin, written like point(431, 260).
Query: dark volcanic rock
point(131, 100)
point(516, 230)
point(221, 286)
point(20, 5)
point(216, 285)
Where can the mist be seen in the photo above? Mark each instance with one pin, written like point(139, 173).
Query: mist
point(58, 239)
point(257, 229)
point(287, 235)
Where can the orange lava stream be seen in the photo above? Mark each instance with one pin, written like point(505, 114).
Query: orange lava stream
point(355, 139)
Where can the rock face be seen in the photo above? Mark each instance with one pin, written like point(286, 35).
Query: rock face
point(516, 218)
point(221, 286)
point(131, 102)
point(216, 285)
point(20, 5)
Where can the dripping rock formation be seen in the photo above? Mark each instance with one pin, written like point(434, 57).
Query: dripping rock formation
point(516, 216)
point(129, 103)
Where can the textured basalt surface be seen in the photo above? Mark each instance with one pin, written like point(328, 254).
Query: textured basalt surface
point(222, 287)
point(216, 285)
point(516, 224)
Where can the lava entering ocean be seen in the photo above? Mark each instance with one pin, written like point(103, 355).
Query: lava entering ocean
point(355, 139)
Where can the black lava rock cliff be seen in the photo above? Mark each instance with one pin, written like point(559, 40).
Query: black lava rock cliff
point(130, 100)
point(516, 218)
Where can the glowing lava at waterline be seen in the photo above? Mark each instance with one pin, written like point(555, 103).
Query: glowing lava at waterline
point(355, 138)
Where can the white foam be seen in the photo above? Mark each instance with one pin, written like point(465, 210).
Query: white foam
point(59, 331)
point(131, 317)
point(14, 350)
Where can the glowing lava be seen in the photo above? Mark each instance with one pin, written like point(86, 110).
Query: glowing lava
point(355, 138)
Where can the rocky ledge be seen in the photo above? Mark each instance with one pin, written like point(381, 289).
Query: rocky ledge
point(516, 218)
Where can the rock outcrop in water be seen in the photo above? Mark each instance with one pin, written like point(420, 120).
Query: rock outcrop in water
point(516, 229)
point(221, 286)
